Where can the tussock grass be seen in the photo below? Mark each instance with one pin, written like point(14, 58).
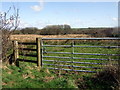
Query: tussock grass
point(106, 79)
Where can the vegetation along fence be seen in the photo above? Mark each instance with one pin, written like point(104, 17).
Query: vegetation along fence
point(69, 54)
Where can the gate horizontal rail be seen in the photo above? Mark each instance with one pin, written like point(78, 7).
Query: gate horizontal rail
point(74, 66)
point(76, 62)
point(78, 58)
point(80, 38)
point(83, 53)
point(80, 46)
point(72, 70)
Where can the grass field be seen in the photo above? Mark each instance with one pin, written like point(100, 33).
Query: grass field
point(28, 75)
point(32, 37)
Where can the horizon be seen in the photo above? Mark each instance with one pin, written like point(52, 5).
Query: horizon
point(75, 14)
point(71, 28)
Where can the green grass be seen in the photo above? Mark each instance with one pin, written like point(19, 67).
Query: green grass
point(28, 75)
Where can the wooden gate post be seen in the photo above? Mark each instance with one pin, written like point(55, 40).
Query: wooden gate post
point(39, 54)
point(119, 71)
point(15, 51)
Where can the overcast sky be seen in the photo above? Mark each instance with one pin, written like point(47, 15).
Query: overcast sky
point(75, 14)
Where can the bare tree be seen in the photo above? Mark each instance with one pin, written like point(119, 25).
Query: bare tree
point(9, 21)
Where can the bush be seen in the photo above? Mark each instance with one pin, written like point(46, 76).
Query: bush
point(66, 29)
point(56, 30)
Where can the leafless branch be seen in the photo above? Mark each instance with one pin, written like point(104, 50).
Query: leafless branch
point(8, 21)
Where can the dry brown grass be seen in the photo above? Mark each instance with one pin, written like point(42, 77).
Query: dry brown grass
point(47, 79)
point(32, 37)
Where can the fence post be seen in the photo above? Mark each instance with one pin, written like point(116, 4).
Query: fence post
point(39, 58)
point(119, 71)
point(15, 51)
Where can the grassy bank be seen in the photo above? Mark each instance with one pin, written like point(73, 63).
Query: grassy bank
point(29, 76)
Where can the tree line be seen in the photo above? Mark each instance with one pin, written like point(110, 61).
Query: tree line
point(66, 29)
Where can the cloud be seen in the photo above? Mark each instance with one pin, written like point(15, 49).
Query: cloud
point(24, 24)
point(38, 7)
point(115, 19)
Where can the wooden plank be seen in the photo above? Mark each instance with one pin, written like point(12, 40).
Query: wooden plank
point(28, 49)
point(26, 60)
point(27, 43)
point(30, 55)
